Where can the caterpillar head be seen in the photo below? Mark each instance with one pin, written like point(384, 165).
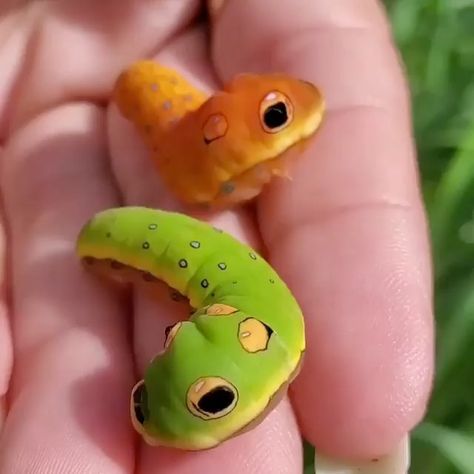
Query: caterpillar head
point(215, 378)
point(253, 130)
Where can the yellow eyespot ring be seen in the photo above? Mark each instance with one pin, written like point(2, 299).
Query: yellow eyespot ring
point(211, 397)
point(254, 335)
point(136, 413)
point(135, 407)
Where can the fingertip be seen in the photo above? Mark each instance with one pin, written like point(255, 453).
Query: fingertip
point(395, 462)
point(369, 363)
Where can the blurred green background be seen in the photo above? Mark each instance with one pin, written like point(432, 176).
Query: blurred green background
point(436, 40)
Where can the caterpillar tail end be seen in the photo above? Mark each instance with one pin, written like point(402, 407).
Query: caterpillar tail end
point(90, 238)
point(141, 97)
point(154, 97)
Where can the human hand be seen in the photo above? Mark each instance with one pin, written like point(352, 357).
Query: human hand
point(347, 234)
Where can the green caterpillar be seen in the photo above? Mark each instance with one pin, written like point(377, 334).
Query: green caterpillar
point(220, 373)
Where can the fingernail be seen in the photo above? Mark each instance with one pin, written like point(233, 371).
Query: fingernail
point(397, 462)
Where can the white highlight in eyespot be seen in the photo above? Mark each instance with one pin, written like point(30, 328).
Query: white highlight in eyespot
point(270, 96)
point(198, 386)
point(397, 462)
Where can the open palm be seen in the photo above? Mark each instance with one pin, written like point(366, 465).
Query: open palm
point(347, 234)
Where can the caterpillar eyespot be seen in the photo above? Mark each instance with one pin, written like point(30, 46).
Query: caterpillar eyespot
point(254, 336)
point(211, 397)
point(276, 112)
point(240, 325)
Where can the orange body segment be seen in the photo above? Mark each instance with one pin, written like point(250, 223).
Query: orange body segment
point(219, 150)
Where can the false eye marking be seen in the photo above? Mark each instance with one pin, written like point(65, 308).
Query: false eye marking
point(138, 406)
point(276, 112)
point(254, 335)
point(211, 397)
point(215, 127)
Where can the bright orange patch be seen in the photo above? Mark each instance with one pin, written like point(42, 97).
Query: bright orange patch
point(219, 150)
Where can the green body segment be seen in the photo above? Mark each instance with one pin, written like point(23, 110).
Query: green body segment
point(219, 373)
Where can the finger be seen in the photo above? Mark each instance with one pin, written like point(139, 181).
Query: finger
point(397, 461)
point(214, 7)
point(68, 400)
point(77, 48)
point(275, 445)
point(348, 233)
point(14, 30)
point(6, 355)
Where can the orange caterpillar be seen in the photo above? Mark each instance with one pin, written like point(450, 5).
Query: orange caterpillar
point(220, 150)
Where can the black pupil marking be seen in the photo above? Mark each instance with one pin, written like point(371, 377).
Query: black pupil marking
point(195, 244)
point(269, 330)
point(167, 331)
point(146, 245)
point(276, 115)
point(139, 414)
point(204, 283)
point(222, 265)
point(272, 280)
point(152, 226)
point(137, 395)
point(216, 400)
point(183, 263)
point(137, 399)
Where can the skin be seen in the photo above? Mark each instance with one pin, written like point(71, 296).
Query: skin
point(221, 150)
point(348, 234)
point(245, 337)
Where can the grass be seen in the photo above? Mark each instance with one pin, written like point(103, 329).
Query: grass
point(436, 40)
